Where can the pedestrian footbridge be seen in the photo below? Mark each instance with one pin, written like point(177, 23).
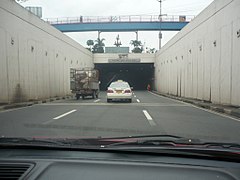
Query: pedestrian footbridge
point(120, 23)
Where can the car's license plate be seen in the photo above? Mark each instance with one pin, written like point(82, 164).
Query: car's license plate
point(119, 91)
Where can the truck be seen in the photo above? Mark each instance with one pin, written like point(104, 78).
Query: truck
point(84, 82)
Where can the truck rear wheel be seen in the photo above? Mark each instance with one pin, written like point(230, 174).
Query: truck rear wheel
point(94, 95)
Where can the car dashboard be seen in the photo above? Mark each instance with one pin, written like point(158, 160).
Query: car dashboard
point(87, 165)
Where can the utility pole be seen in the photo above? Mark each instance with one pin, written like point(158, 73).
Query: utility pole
point(160, 24)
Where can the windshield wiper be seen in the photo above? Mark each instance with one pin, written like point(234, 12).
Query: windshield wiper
point(149, 141)
point(100, 143)
point(153, 140)
point(41, 142)
point(169, 141)
point(221, 145)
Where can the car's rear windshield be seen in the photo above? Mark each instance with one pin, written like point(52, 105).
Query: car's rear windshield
point(119, 85)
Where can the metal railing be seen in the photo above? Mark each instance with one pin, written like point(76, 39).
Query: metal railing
point(110, 19)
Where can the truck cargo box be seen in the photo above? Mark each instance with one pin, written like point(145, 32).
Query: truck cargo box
point(84, 82)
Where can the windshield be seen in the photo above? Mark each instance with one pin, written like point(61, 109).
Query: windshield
point(119, 85)
point(120, 69)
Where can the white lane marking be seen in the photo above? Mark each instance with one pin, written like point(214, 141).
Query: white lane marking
point(149, 118)
point(138, 100)
point(65, 114)
point(97, 100)
point(135, 96)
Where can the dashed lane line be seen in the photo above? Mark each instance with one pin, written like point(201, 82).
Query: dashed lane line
point(138, 100)
point(149, 118)
point(60, 116)
point(65, 114)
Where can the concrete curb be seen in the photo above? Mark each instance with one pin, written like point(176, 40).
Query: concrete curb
point(229, 110)
point(17, 105)
point(25, 104)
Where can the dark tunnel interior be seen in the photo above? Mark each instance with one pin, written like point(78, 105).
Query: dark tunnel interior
point(137, 75)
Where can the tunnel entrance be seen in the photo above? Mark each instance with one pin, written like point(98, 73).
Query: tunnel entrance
point(136, 74)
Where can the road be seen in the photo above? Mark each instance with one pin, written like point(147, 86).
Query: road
point(147, 114)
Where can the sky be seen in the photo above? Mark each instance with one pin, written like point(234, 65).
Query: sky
point(76, 8)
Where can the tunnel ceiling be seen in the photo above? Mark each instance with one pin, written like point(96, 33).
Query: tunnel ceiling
point(138, 75)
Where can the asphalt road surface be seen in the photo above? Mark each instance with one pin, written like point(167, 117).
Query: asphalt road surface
point(148, 114)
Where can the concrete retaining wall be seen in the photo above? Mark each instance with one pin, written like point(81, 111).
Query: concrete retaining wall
point(202, 61)
point(35, 58)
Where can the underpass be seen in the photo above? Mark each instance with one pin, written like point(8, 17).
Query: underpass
point(138, 75)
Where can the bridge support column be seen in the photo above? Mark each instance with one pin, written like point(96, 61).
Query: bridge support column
point(136, 35)
point(99, 32)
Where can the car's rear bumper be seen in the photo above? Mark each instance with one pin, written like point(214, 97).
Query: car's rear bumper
point(118, 96)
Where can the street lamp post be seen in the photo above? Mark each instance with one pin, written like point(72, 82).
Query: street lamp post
point(160, 24)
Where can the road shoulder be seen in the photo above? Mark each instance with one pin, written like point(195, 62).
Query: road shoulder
point(225, 109)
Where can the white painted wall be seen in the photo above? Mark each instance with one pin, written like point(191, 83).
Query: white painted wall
point(144, 57)
point(191, 66)
point(35, 58)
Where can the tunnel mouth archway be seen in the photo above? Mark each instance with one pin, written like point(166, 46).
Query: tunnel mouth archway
point(138, 75)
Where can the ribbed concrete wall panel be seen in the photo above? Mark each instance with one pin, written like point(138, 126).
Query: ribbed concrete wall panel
point(210, 46)
point(35, 58)
point(235, 76)
point(13, 66)
point(226, 64)
point(207, 66)
point(3, 66)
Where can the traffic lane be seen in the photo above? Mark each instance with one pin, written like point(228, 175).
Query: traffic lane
point(88, 99)
point(149, 97)
point(104, 119)
point(13, 123)
point(102, 98)
point(39, 120)
point(108, 119)
point(190, 121)
point(186, 120)
point(73, 102)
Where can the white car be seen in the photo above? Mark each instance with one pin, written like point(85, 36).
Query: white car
point(119, 90)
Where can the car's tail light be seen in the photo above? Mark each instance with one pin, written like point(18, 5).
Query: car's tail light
point(109, 91)
point(127, 91)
